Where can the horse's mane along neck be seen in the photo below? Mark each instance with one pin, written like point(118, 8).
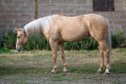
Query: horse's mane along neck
point(38, 26)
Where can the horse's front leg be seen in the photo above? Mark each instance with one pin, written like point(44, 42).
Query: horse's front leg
point(61, 51)
point(53, 46)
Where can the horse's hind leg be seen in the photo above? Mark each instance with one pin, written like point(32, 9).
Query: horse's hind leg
point(61, 51)
point(54, 46)
point(107, 55)
point(103, 47)
point(101, 60)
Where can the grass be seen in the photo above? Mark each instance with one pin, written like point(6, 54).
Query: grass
point(39, 63)
point(4, 50)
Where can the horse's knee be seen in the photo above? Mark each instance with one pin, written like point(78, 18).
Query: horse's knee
point(107, 52)
point(54, 57)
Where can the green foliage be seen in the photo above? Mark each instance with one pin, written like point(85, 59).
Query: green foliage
point(118, 40)
point(4, 50)
point(37, 41)
point(9, 39)
point(87, 44)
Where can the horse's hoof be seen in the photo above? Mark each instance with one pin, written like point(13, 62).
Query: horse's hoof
point(64, 70)
point(53, 71)
point(107, 71)
point(99, 71)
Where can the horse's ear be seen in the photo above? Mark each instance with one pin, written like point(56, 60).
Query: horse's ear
point(16, 29)
point(19, 29)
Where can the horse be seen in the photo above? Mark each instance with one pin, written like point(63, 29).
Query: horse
point(59, 29)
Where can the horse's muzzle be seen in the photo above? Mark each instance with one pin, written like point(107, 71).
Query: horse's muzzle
point(19, 48)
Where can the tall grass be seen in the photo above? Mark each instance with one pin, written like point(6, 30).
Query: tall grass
point(37, 41)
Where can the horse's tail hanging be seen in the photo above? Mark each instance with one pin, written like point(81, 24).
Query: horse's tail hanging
point(108, 39)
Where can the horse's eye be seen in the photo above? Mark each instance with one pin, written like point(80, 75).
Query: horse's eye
point(18, 37)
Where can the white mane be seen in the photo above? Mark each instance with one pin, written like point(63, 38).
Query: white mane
point(38, 25)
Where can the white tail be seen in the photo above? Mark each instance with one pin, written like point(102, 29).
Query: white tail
point(108, 39)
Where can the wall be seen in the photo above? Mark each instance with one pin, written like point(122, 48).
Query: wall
point(66, 7)
point(16, 13)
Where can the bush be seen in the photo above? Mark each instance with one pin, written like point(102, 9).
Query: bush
point(87, 44)
point(9, 39)
point(1, 41)
point(118, 40)
point(38, 41)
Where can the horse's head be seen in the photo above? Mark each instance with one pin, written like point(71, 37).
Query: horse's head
point(21, 38)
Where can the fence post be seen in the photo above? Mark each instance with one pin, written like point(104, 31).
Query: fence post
point(36, 9)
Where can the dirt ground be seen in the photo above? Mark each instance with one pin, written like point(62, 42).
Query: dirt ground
point(68, 79)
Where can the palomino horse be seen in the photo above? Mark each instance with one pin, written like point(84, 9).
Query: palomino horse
point(58, 29)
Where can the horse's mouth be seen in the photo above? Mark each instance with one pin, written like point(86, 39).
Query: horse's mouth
point(19, 48)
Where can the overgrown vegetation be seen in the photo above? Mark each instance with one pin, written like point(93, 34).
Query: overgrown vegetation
point(118, 40)
point(39, 42)
point(87, 44)
point(9, 39)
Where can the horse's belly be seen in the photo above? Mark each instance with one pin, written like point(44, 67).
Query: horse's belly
point(72, 39)
point(74, 35)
